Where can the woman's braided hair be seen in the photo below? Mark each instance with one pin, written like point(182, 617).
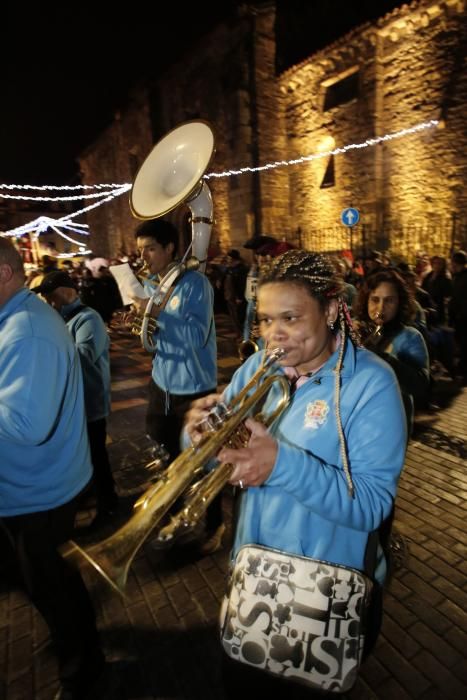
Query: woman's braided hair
point(316, 274)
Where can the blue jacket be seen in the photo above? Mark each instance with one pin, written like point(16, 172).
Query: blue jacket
point(89, 332)
point(304, 506)
point(185, 359)
point(44, 451)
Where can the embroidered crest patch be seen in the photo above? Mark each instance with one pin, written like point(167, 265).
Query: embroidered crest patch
point(316, 413)
point(174, 302)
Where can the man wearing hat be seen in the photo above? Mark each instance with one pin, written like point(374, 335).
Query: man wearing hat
point(234, 289)
point(92, 342)
point(45, 466)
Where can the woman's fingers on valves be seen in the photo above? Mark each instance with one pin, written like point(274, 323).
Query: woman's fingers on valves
point(197, 414)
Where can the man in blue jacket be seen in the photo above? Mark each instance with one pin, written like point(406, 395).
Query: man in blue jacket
point(92, 342)
point(45, 465)
point(184, 367)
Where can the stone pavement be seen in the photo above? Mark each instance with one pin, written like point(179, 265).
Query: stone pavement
point(162, 639)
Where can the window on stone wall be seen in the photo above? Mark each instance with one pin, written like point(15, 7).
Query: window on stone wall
point(341, 89)
point(329, 179)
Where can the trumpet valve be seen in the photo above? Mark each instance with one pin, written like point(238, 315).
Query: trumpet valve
point(152, 324)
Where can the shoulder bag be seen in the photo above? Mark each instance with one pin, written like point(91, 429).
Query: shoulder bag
point(297, 618)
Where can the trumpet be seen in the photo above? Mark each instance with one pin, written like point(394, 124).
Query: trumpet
point(248, 347)
point(378, 325)
point(371, 332)
point(113, 556)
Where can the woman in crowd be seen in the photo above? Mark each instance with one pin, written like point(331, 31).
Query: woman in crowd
point(384, 310)
point(321, 481)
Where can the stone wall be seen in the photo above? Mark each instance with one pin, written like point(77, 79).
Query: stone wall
point(230, 82)
point(407, 68)
point(114, 158)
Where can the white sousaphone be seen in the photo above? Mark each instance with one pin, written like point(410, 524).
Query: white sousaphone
point(172, 174)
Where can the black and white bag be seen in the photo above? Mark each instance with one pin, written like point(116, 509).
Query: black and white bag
point(297, 618)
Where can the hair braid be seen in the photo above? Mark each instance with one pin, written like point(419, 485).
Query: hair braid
point(316, 274)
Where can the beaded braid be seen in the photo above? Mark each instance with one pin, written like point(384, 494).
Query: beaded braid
point(316, 274)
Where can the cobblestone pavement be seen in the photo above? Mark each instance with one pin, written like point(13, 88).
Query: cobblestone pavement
point(161, 641)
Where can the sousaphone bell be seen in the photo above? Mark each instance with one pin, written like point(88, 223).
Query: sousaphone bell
point(172, 174)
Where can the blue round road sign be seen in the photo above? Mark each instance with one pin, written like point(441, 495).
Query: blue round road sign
point(350, 216)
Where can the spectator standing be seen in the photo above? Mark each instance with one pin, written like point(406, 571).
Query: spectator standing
point(458, 307)
point(234, 289)
point(100, 292)
point(439, 286)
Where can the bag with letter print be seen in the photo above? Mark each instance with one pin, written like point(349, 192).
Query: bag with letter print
point(297, 618)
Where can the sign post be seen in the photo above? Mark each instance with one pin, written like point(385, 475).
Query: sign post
point(350, 218)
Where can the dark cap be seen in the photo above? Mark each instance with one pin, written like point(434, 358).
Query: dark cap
point(54, 280)
point(257, 241)
point(275, 249)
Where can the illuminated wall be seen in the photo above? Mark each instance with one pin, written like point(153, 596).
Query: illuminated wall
point(408, 68)
point(115, 157)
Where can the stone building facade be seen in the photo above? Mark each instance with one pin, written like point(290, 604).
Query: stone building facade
point(407, 68)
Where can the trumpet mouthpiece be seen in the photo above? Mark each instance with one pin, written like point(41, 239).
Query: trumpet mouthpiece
point(273, 355)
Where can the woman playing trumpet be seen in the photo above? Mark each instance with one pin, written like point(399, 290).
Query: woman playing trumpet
point(385, 309)
point(323, 478)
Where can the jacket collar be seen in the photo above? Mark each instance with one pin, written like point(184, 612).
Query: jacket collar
point(348, 364)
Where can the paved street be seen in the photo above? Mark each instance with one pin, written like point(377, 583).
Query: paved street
point(162, 639)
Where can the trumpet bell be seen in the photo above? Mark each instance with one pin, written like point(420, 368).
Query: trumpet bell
point(172, 171)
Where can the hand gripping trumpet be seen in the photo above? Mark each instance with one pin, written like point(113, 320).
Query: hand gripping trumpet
point(113, 556)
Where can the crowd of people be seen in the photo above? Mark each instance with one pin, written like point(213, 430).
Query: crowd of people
point(356, 344)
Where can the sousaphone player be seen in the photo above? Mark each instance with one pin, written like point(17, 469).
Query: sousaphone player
point(182, 300)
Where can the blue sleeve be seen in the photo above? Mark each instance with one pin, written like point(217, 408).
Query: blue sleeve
point(375, 434)
point(26, 414)
point(86, 337)
point(90, 336)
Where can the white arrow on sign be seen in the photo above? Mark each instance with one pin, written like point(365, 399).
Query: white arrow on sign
point(350, 217)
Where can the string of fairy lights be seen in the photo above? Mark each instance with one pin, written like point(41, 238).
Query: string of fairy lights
point(104, 192)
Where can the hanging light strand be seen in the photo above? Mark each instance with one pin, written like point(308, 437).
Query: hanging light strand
point(67, 198)
point(70, 188)
point(118, 189)
point(325, 154)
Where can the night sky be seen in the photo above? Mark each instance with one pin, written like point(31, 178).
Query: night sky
point(65, 74)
